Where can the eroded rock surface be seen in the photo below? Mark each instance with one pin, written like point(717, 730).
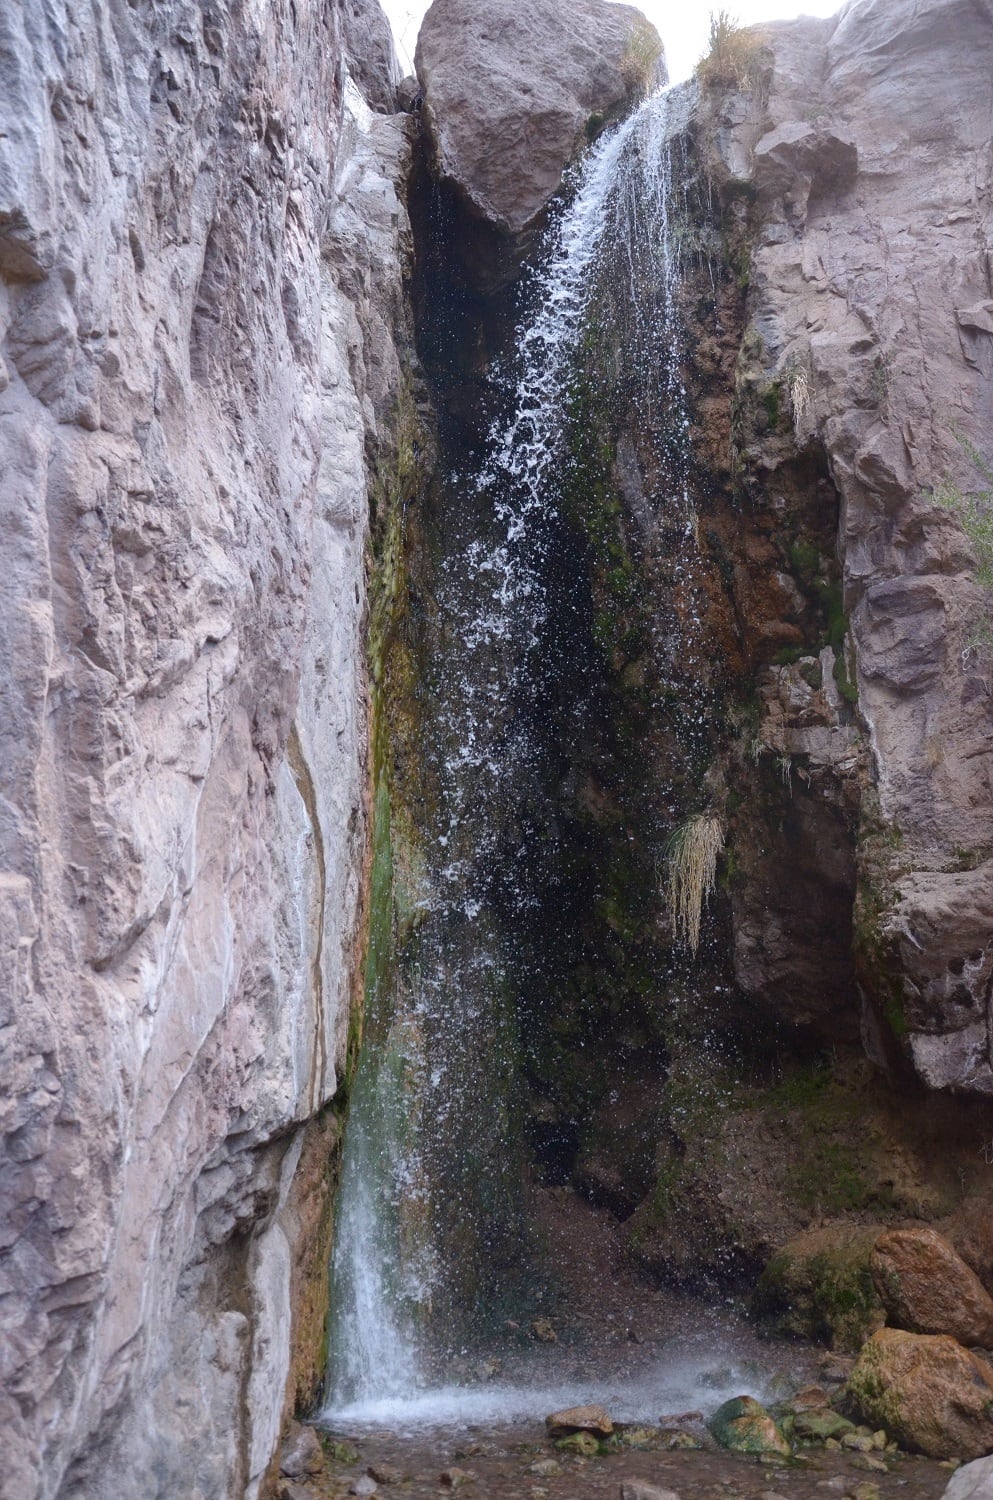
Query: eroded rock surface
point(200, 246)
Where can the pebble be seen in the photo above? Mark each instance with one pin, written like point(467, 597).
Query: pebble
point(363, 1486)
point(384, 1473)
point(867, 1461)
point(454, 1479)
point(545, 1468)
point(837, 1484)
point(636, 1489)
point(865, 1491)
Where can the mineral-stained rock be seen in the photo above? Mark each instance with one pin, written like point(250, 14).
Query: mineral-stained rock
point(926, 1288)
point(744, 1426)
point(510, 92)
point(819, 1286)
point(928, 1393)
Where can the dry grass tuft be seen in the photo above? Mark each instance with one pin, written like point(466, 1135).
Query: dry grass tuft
point(691, 855)
point(734, 55)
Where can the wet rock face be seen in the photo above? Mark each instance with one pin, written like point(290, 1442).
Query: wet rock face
point(186, 387)
point(869, 282)
point(510, 93)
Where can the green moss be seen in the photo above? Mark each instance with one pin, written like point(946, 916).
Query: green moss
point(819, 1287)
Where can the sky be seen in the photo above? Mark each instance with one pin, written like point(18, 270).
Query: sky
point(682, 24)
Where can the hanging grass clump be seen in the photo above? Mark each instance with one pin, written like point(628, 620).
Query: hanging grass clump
point(691, 856)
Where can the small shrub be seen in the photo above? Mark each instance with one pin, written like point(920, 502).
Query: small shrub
point(691, 855)
point(640, 63)
point(733, 57)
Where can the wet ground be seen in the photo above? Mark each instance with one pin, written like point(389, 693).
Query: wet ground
point(500, 1463)
point(613, 1337)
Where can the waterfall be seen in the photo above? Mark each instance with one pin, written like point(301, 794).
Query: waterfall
point(431, 1219)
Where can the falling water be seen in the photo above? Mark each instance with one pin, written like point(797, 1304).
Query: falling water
point(431, 1218)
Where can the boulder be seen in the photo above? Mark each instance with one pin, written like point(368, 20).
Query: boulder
point(743, 1426)
point(301, 1452)
point(512, 92)
point(929, 1393)
point(926, 1288)
point(970, 1232)
point(579, 1419)
point(819, 1286)
point(972, 1482)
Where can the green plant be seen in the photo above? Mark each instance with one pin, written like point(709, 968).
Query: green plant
point(733, 55)
point(640, 63)
point(691, 855)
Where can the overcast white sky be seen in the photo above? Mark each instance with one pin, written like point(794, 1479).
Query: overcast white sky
point(682, 24)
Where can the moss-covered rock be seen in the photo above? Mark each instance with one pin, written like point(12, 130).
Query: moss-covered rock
point(818, 1426)
point(742, 1425)
point(928, 1393)
point(819, 1286)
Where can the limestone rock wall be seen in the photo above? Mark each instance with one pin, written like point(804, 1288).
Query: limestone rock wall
point(863, 145)
point(201, 251)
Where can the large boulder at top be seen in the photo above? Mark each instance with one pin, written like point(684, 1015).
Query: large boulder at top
point(512, 91)
point(926, 1288)
point(928, 1392)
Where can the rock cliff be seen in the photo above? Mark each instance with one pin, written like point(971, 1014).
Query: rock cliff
point(202, 241)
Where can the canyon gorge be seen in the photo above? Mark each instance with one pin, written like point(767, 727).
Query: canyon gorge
point(497, 688)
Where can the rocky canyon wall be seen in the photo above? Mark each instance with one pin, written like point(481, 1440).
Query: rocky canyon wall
point(202, 249)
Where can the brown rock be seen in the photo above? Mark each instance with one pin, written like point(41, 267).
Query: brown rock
point(928, 1392)
point(970, 1232)
point(926, 1288)
point(579, 1419)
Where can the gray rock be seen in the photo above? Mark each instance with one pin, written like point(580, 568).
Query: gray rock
point(637, 1489)
point(301, 1453)
point(972, 1482)
point(509, 91)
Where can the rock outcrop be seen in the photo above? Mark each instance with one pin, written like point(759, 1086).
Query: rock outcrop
point(869, 268)
point(200, 282)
